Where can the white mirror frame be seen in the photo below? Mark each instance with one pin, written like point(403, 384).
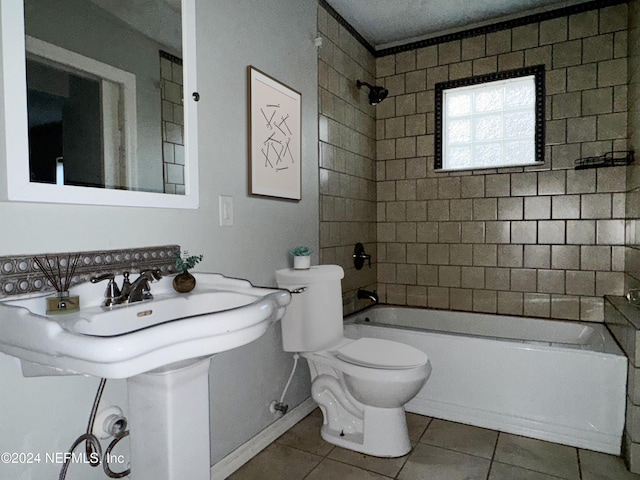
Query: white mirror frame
point(13, 110)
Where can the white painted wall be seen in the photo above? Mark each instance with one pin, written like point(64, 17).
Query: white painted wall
point(276, 36)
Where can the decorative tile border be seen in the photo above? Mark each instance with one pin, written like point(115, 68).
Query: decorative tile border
point(20, 274)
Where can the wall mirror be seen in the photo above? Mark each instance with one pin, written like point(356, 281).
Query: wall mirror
point(106, 115)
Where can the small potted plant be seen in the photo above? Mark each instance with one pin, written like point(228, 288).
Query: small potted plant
point(301, 257)
point(184, 282)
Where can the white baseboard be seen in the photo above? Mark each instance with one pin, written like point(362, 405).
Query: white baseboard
point(250, 449)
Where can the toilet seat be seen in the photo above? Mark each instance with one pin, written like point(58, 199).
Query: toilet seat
point(379, 353)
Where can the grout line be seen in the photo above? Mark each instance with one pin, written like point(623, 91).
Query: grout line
point(493, 455)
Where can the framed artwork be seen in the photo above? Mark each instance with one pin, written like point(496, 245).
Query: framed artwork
point(275, 146)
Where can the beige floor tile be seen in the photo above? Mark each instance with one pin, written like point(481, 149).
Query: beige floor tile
point(416, 424)
point(384, 466)
point(461, 438)
point(305, 435)
point(427, 462)
point(600, 466)
point(278, 462)
point(502, 471)
point(331, 470)
point(538, 455)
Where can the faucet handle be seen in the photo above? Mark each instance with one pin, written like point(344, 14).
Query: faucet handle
point(359, 256)
point(112, 293)
point(153, 275)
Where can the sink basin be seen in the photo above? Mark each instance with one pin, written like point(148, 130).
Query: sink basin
point(122, 341)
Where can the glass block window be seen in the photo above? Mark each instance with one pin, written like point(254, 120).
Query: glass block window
point(490, 121)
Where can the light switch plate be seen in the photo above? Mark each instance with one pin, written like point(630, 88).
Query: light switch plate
point(226, 210)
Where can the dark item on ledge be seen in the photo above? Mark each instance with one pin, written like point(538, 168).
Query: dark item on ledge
point(184, 282)
point(614, 158)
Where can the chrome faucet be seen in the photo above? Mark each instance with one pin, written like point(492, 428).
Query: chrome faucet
point(131, 292)
point(140, 289)
point(367, 295)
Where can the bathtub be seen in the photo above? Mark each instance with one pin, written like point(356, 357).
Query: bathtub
point(564, 382)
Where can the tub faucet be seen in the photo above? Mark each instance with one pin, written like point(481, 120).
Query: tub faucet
point(367, 295)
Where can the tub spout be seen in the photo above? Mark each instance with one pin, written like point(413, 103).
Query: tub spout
point(367, 295)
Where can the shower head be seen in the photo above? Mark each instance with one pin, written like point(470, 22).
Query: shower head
point(376, 94)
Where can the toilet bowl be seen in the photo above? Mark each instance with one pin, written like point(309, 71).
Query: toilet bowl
point(361, 385)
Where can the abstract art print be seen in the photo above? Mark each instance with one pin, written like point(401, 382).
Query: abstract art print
point(275, 145)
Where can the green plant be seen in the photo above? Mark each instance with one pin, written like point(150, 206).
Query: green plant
point(184, 263)
point(301, 251)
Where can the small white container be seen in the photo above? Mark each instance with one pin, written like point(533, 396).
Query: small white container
point(301, 262)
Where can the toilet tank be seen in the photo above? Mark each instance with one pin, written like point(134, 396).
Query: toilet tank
point(313, 319)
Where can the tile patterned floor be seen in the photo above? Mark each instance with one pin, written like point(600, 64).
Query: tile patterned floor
point(442, 450)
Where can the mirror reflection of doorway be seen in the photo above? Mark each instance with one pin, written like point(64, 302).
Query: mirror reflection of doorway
point(75, 120)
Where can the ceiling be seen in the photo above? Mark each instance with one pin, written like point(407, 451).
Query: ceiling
point(388, 23)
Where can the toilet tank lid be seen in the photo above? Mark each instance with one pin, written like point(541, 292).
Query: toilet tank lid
point(317, 273)
point(381, 353)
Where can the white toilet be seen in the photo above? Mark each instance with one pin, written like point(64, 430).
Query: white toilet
point(360, 385)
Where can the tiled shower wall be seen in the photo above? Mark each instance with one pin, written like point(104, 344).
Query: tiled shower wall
point(544, 241)
point(347, 156)
point(172, 123)
point(633, 172)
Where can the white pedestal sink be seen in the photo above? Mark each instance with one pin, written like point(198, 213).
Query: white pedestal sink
point(161, 346)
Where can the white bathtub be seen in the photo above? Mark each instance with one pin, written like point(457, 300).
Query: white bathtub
point(563, 382)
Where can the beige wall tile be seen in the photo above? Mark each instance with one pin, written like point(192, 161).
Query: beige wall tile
point(581, 181)
point(537, 305)
point(537, 256)
point(510, 256)
point(497, 232)
point(472, 277)
point(581, 232)
point(610, 232)
point(449, 276)
point(485, 255)
point(461, 299)
point(473, 232)
point(523, 232)
point(461, 254)
point(472, 186)
point(438, 297)
point(551, 281)
point(592, 309)
point(485, 209)
point(565, 206)
point(438, 254)
point(565, 307)
point(485, 301)
point(551, 231)
point(583, 24)
point(510, 303)
point(416, 296)
point(497, 278)
point(596, 206)
point(565, 257)
point(580, 283)
point(524, 184)
point(511, 208)
point(498, 42)
point(537, 208)
point(523, 280)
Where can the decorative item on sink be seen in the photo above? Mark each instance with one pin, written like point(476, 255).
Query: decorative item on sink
point(184, 282)
point(301, 257)
point(59, 272)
